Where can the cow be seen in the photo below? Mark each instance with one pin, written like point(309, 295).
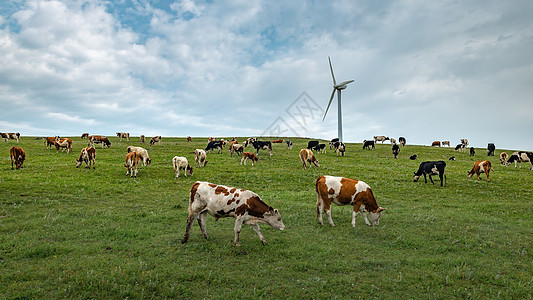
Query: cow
point(402, 141)
point(98, 139)
point(472, 151)
point(321, 148)
point(181, 163)
point(155, 139)
point(381, 138)
point(368, 143)
point(431, 168)
point(211, 139)
point(307, 156)
point(490, 149)
point(236, 148)
point(332, 143)
point(17, 156)
point(132, 161)
point(460, 147)
point(142, 153)
point(87, 156)
point(464, 142)
point(413, 157)
point(503, 157)
point(445, 143)
point(289, 145)
point(214, 145)
point(395, 150)
point(85, 135)
point(519, 157)
point(249, 155)
point(222, 201)
point(200, 158)
point(265, 145)
point(277, 141)
point(249, 141)
point(189, 139)
point(63, 143)
point(125, 135)
point(11, 135)
point(50, 141)
point(392, 141)
point(346, 191)
point(452, 158)
point(142, 139)
point(312, 144)
point(435, 144)
point(481, 167)
point(339, 148)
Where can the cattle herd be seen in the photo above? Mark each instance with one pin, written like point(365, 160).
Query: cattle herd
point(246, 206)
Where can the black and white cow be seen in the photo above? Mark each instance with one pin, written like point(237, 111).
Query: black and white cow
point(289, 144)
point(332, 143)
point(214, 145)
point(395, 150)
point(402, 141)
point(264, 145)
point(431, 168)
point(520, 157)
point(367, 144)
point(490, 149)
point(339, 148)
point(320, 148)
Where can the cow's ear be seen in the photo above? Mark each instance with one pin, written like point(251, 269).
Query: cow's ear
point(276, 211)
point(380, 209)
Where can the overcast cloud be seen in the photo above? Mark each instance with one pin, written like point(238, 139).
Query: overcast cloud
point(425, 70)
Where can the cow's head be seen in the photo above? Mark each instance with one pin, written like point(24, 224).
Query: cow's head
point(316, 163)
point(189, 170)
point(374, 216)
point(273, 218)
point(417, 176)
point(149, 161)
point(78, 162)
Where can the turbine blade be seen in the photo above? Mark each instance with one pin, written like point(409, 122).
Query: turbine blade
point(345, 83)
point(332, 75)
point(329, 103)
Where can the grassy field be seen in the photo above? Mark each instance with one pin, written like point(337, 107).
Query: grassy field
point(79, 233)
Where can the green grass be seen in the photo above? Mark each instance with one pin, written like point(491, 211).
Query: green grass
point(78, 233)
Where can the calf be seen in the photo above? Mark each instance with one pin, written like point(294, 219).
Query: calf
point(402, 141)
point(221, 201)
point(181, 163)
point(155, 139)
point(519, 157)
point(98, 139)
point(490, 149)
point(445, 143)
point(289, 144)
point(381, 138)
point(339, 148)
point(431, 168)
point(346, 191)
point(236, 148)
point(17, 156)
point(472, 151)
point(413, 157)
point(50, 141)
point(132, 161)
point(249, 155)
point(142, 153)
point(395, 150)
point(481, 167)
point(200, 157)
point(312, 144)
point(214, 145)
point(320, 148)
point(503, 157)
point(435, 144)
point(125, 135)
point(87, 156)
point(65, 143)
point(265, 145)
point(307, 156)
point(367, 144)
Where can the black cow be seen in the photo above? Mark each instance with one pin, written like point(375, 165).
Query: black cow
point(395, 150)
point(431, 168)
point(368, 143)
point(312, 144)
point(490, 149)
point(265, 145)
point(214, 145)
point(289, 144)
point(320, 148)
point(402, 141)
point(332, 142)
point(472, 151)
point(339, 148)
point(413, 157)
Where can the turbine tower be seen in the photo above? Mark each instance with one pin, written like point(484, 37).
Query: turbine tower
point(337, 87)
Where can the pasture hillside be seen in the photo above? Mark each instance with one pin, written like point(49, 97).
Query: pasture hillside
point(68, 232)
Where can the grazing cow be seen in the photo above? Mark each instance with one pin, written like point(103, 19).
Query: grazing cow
point(289, 144)
point(346, 191)
point(132, 161)
point(17, 156)
point(445, 143)
point(464, 142)
point(64, 143)
point(155, 139)
point(472, 151)
point(452, 158)
point(490, 149)
point(277, 141)
point(519, 157)
point(460, 147)
point(249, 141)
point(369, 143)
point(339, 148)
point(321, 148)
point(481, 167)
point(181, 163)
point(214, 145)
point(265, 145)
point(236, 148)
point(222, 201)
point(380, 138)
point(125, 135)
point(413, 157)
point(307, 156)
point(142, 153)
point(13, 136)
point(431, 168)
point(142, 139)
point(87, 156)
point(395, 150)
point(98, 139)
point(503, 157)
point(402, 141)
point(189, 139)
point(249, 155)
point(85, 135)
point(332, 143)
point(200, 157)
point(50, 141)
point(312, 144)
point(435, 144)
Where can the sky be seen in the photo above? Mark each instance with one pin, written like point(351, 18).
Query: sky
point(424, 70)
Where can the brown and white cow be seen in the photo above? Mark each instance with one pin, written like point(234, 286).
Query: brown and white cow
point(249, 155)
point(143, 153)
point(11, 135)
point(142, 139)
point(132, 161)
point(181, 163)
point(222, 201)
point(124, 135)
point(519, 157)
point(234, 147)
point(464, 142)
point(503, 157)
point(445, 143)
point(307, 156)
point(435, 144)
point(380, 138)
point(155, 139)
point(50, 141)
point(189, 139)
point(17, 156)
point(64, 143)
point(481, 167)
point(87, 156)
point(85, 135)
point(346, 191)
point(99, 139)
point(200, 157)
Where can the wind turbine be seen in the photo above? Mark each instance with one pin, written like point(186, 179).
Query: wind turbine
point(337, 87)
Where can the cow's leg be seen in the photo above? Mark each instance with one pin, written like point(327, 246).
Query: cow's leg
point(270, 150)
point(319, 208)
point(190, 220)
point(431, 179)
point(237, 228)
point(355, 212)
point(258, 231)
point(12, 161)
point(243, 160)
point(201, 221)
point(327, 209)
point(425, 178)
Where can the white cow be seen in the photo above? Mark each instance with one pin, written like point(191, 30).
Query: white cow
point(143, 153)
point(200, 157)
point(181, 163)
